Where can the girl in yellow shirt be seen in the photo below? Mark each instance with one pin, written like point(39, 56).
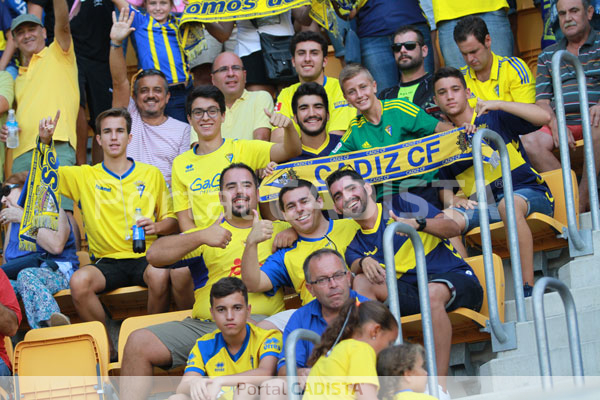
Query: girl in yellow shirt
point(402, 373)
point(343, 364)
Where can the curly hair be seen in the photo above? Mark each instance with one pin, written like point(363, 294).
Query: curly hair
point(351, 318)
point(394, 362)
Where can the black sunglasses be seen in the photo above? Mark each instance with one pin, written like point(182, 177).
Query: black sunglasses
point(5, 190)
point(397, 47)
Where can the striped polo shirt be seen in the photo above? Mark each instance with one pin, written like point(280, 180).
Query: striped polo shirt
point(158, 46)
point(157, 145)
point(589, 56)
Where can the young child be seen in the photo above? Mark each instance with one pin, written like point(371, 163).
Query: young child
point(158, 46)
point(402, 373)
point(238, 354)
point(343, 364)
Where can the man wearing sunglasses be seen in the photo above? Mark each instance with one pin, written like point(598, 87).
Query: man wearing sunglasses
point(416, 84)
point(245, 110)
point(156, 138)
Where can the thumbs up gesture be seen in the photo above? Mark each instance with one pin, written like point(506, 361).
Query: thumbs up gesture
point(262, 230)
point(216, 235)
point(278, 120)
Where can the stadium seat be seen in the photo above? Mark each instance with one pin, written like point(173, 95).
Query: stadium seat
point(9, 347)
point(466, 323)
point(94, 329)
point(133, 323)
point(125, 302)
point(543, 228)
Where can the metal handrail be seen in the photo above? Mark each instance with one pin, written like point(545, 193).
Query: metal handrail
point(511, 224)
point(290, 359)
point(394, 303)
point(541, 333)
point(575, 235)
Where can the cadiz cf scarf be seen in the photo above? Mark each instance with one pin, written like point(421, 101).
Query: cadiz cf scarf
point(322, 12)
point(42, 202)
point(383, 164)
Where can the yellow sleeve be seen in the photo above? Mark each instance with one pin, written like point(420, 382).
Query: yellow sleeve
point(362, 364)
point(195, 363)
point(255, 153)
point(340, 112)
point(272, 344)
point(164, 201)
point(522, 82)
point(179, 190)
point(68, 181)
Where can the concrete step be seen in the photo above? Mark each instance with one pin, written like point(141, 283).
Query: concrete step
point(524, 369)
point(582, 272)
point(556, 326)
point(587, 298)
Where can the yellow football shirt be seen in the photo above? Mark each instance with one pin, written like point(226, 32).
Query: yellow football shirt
point(195, 178)
point(47, 84)
point(340, 112)
point(209, 264)
point(444, 10)
point(351, 362)
point(284, 267)
point(510, 80)
point(108, 202)
point(210, 356)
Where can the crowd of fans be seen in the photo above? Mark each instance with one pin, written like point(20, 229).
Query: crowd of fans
point(186, 142)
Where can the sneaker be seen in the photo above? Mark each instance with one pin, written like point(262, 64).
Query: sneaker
point(527, 290)
point(58, 319)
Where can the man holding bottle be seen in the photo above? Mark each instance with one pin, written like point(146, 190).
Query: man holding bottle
point(116, 197)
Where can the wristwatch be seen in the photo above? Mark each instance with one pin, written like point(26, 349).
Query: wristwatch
point(422, 223)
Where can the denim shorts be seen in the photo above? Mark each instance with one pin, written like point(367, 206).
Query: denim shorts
point(537, 201)
point(464, 286)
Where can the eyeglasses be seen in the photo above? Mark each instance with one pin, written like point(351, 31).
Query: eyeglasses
point(5, 190)
point(198, 113)
point(234, 68)
point(397, 47)
point(337, 277)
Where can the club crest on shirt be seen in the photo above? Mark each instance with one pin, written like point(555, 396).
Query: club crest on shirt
point(497, 90)
point(388, 129)
point(229, 157)
point(140, 185)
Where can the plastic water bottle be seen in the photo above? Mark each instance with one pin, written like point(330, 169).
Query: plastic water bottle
point(12, 140)
point(139, 235)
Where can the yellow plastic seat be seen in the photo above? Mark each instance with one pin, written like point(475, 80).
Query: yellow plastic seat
point(134, 323)
point(466, 323)
point(543, 228)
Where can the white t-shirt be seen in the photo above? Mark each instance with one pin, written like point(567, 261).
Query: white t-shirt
point(248, 41)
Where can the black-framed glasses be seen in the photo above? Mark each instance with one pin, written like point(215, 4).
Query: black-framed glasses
point(198, 113)
point(411, 45)
point(5, 190)
point(337, 277)
point(234, 68)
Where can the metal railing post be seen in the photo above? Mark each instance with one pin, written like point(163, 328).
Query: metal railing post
point(541, 334)
point(394, 303)
point(580, 242)
point(295, 392)
point(510, 223)
point(503, 334)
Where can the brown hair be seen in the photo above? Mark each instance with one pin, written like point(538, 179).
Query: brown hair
point(394, 362)
point(18, 179)
point(351, 318)
point(113, 112)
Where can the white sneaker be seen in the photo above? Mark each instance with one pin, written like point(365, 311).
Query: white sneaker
point(58, 319)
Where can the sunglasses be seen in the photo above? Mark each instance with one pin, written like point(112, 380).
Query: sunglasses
point(397, 47)
point(5, 190)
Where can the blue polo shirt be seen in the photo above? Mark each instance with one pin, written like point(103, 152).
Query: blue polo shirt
point(308, 317)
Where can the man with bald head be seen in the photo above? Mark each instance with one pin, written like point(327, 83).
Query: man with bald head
point(245, 117)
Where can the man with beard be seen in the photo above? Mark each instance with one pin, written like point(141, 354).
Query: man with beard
point(452, 283)
point(311, 113)
point(245, 116)
point(416, 85)
point(329, 281)
point(211, 254)
point(156, 138)
point(309, 52)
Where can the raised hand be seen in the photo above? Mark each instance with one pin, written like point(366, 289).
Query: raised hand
point(262, 229)
point(217, 236)
point(121, 27)
point(278, 120)
point(47, 127)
